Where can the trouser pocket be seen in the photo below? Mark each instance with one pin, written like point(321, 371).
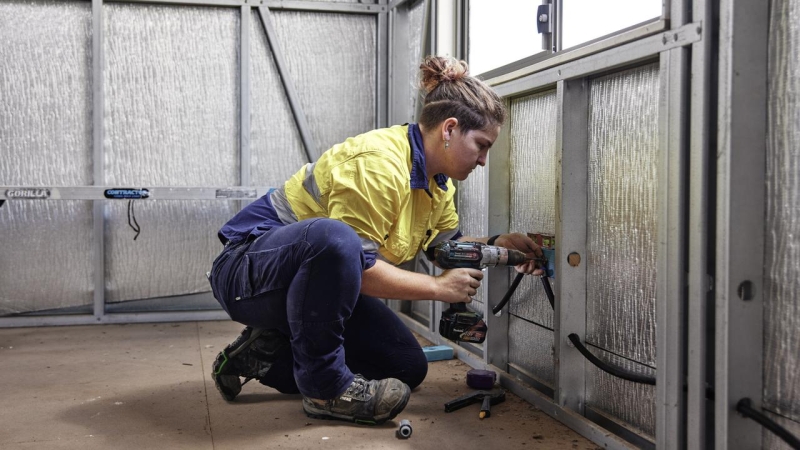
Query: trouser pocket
point(266, 270)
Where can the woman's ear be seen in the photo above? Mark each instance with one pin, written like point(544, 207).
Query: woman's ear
point(448, 126)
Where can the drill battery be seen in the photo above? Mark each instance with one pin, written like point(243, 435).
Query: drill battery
point(460, 324)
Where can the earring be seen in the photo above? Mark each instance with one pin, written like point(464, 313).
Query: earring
point(447, 143)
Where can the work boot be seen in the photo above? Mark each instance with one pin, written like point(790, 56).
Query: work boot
point(250, 356)
point(370, 402)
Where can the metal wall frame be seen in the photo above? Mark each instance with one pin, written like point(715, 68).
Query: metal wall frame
point(681, 42)
point(377, 8)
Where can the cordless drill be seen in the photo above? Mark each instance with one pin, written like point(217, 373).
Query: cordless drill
point(457, 322)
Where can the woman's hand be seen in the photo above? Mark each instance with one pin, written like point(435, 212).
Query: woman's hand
point(458, 285)
point(523, 243)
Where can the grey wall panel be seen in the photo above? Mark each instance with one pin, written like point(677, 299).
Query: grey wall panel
point(331, 59)
point(171, 256)
point(531, 347)
point(46, 261)
point(471, 198)
point(45, 81)
point(276, 148)
point(172, 95)
point(416, 19)
point(45, 140)
point(622, 215)
point(782, 252)
point(172, 118)
point(632, 403)
point(533, 190)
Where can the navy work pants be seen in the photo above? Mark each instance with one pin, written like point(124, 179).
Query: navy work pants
point(304, 280)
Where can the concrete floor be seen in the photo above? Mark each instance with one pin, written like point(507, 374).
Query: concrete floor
point(148, 386)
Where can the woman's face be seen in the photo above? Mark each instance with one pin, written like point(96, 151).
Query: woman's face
point(468, 150)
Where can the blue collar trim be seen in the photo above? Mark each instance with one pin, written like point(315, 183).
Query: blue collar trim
point(419, 176)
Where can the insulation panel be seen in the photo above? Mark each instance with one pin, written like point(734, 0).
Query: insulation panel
point(332, 61)
point(471, 203)
point(782, 243)
point(533, 122)
point(416, 24)
point(276, 148)
point(45, 140)
point(171, 118)
point(633, 403)
point(532, 347)
point(622, 213)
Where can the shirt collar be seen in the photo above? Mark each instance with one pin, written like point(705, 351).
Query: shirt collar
point(419, 177)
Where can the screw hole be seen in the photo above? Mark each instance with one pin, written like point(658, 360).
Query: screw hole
point(746, 290)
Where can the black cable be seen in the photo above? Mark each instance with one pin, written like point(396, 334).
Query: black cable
point(744, 408)
point(132, 214)
point(514, 284)
point(549, 291)
point(509, 293)
point(616, 371)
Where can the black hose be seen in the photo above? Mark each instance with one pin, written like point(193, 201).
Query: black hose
point(509, 293)
point(744, 408)
point(514, 284)
point(616, 371)
point(549, 291)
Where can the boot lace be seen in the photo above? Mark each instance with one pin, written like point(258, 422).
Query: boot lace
point(358, 389)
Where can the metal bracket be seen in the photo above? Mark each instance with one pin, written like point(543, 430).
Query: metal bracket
point(544, 19)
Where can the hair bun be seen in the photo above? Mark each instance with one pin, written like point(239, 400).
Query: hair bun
point(438, 69)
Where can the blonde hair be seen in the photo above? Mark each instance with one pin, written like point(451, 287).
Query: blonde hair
point(450, 91)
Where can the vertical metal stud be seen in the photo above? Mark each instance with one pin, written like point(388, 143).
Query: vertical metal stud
point(699, 230)
point(572, 144)
point(671, 251)
point(741, 166)
point(499, 167)
point(98, 158)
point(244, 95)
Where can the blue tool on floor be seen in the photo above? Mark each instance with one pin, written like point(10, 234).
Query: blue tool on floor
point(438, 352)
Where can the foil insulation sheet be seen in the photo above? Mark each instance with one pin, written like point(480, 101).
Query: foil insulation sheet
point(176, 246)
point(633, 403)
point(45, 140)
point(622, 213)
point(472, 206)
point(782, 243)
point(47, 259)
point(532, 348)
point(171, 95)
point(331, 59)
point(533, 125)
point(276, 149)
point(416, 24)
point(171, 118)
point(46, 86)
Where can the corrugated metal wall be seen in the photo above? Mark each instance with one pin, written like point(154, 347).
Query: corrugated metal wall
point(171, 118)
point(782, 252)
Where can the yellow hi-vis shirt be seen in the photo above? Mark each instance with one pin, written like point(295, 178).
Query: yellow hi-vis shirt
point(366, 183)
